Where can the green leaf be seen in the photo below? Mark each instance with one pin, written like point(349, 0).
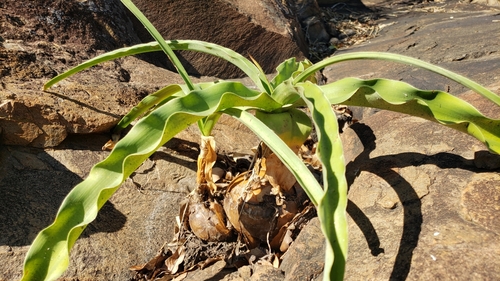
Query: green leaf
point(48, 256)
point(437, 106)
point(163, 45)
point(332, 207)
point(399, 59)
point(285, 93)
point(292, 126)
point(154, 100)
point(285, 71)
point(146, 104)
point(229, 55)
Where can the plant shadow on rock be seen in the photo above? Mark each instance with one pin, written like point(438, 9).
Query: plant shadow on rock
point(33, 184)
point(383, 166)
point(82, 104)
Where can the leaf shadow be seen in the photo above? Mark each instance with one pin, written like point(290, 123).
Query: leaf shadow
point(383, 166)
point(33, 184)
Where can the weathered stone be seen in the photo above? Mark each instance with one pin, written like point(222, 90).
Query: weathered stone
point(309, 15)
point(39, 40)
point(351, 144)
point(410, 189)
point(259, 29)
point(356, 3)
point(487, 2)
point(304, 260)
point(208, 273)
point(87, 103)
point(415, 35)
point(315, 30)
point(266, 271)
point(481, 201)
point(79, 26)
point(306, 9)
point(486, 160)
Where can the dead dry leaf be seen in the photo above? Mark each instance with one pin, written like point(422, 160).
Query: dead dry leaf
point(278, 175)
point(154, 263)
point(180, 277)
point(206, 161)
point(173, 262)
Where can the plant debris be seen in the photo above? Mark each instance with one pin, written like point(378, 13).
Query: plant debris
point(246, 210)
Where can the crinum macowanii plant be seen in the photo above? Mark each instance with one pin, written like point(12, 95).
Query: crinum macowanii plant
point(272, 113)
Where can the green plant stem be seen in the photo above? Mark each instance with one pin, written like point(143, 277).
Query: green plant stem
point(209, 123)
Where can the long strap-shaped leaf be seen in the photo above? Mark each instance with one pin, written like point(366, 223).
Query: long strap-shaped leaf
point(155, 99)
point(163, 45)
point(332, 207)
point(400, 59)
point(332, 202)
point(146, 104)
point(229, 55)
point(437, 106)
point(48, 257)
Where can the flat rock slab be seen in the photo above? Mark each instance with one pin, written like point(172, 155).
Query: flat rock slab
point(458, 37)
point(130, 228)
point(413, 206)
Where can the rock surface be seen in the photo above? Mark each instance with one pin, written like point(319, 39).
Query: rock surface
point(39, 41)
point(413, 203)
point(257, 28)
point(421, 196)
point(450, 34)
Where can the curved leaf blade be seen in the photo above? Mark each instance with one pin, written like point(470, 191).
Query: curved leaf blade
point(332, 207)
point(436, 106)
point(285, 71)
point(292, 126)
point(258, 77)
point(400, 59)
point(146, 104)
point(48, 257)
point(163, 45)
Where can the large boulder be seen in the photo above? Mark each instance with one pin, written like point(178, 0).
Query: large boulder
point(258, 28)
point(39, 40)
